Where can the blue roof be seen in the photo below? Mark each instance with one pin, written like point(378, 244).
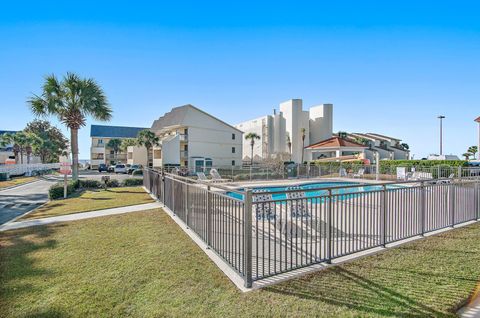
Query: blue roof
point(114, 131)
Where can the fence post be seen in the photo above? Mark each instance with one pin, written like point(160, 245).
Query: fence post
point(186, 204)
point(477, 200)
point(384, 216)
point(329, 227)
point(459, 172)
point(422, 207)
point(452, 203)
point(247, 234)
point(162, 185)
point(209, 217)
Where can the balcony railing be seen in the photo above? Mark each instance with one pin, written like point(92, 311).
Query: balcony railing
point(183, 137)
point(184, 154)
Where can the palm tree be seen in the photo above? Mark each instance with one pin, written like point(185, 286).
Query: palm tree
point(473, 150)
point(252, 136)
point(467, 155)
point(71, 100)
point(127, 142)
point(115, 145)
point(303, 130)
point(22, 143)
point(148, 139)
point(33, 143)
point(289, 145)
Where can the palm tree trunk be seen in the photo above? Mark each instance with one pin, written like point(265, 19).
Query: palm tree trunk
point(74, 146)
point(21, 156)
point(251, 159)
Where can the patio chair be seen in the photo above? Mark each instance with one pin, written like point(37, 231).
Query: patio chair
point(343, 173)
point(298, 205)
point(359, 174)
point(216, 177)
point(264, 210)
point(202, 177)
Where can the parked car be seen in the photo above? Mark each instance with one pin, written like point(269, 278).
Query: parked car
point(102, 167)
point(132, 168)
point(111, 168)
point(120, 168)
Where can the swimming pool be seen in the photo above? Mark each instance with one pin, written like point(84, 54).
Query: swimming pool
point(318, 186)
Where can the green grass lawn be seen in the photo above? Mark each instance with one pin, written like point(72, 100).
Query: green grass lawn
point(143, 265)
point(16, 181)
point(90, 200)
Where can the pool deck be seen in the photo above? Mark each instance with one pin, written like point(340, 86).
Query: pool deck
point(292, 182)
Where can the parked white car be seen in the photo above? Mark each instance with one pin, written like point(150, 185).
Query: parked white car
point(120, 168)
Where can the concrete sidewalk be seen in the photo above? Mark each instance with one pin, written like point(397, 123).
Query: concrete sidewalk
point(79, 216)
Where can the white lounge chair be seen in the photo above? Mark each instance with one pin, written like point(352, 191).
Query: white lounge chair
point(360, 173)
point(217, 177)
point(343, 172)
point(298, 206)
point(202, 177)
point(264, 210)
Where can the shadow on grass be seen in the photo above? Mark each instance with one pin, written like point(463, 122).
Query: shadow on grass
point(17, 264)
point(357, 293)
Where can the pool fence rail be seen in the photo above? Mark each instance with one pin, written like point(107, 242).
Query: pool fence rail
point(261, 233)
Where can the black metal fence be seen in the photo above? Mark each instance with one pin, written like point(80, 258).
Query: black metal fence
point(262, 233)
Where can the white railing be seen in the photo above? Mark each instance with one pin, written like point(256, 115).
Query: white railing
point(27, 169)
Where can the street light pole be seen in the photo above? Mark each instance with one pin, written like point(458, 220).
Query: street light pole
point(478, 148)
point(441, 117)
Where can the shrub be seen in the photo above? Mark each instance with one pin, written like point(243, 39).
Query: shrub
point(138, 172)
point(89, 184)
point(132, 182)
point(3, 176)
point(113, 183)
point(56, 191)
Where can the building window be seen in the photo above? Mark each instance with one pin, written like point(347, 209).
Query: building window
point(233, 136)
point(185, 163)
point(233, 162)
point(157, 154)
point(233, 149)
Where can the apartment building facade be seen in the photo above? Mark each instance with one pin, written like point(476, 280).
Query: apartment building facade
point(388, 148)
point(100, 136)
point(194, 139)
point(281, 133)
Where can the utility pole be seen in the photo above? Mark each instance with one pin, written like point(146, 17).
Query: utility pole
point(478, 149)
point(441, 117)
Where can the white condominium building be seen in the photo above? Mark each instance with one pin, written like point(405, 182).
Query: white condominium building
point(291, 122)
point(190, 137)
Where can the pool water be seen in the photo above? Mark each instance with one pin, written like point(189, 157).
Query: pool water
point(318, 186)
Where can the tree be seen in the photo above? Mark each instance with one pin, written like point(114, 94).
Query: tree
point(467, 155)
point(473, 150)
point(252, 137)
point(289, 145)
point(53, 141)
point(7, 139)
point(342, 134)
point(148, 139)
point(33, 143)
point(303, 130)
point(71, 100)
point(115, 145)
point(127, 142)
point(405, 146)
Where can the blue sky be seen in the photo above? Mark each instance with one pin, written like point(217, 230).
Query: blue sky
point(388, 67)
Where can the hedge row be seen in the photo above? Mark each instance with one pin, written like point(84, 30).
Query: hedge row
point(423, 163)
point(56, 191)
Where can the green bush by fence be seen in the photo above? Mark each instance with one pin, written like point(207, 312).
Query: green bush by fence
point(56, 191)
point(423, 163)
point(132, 182)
